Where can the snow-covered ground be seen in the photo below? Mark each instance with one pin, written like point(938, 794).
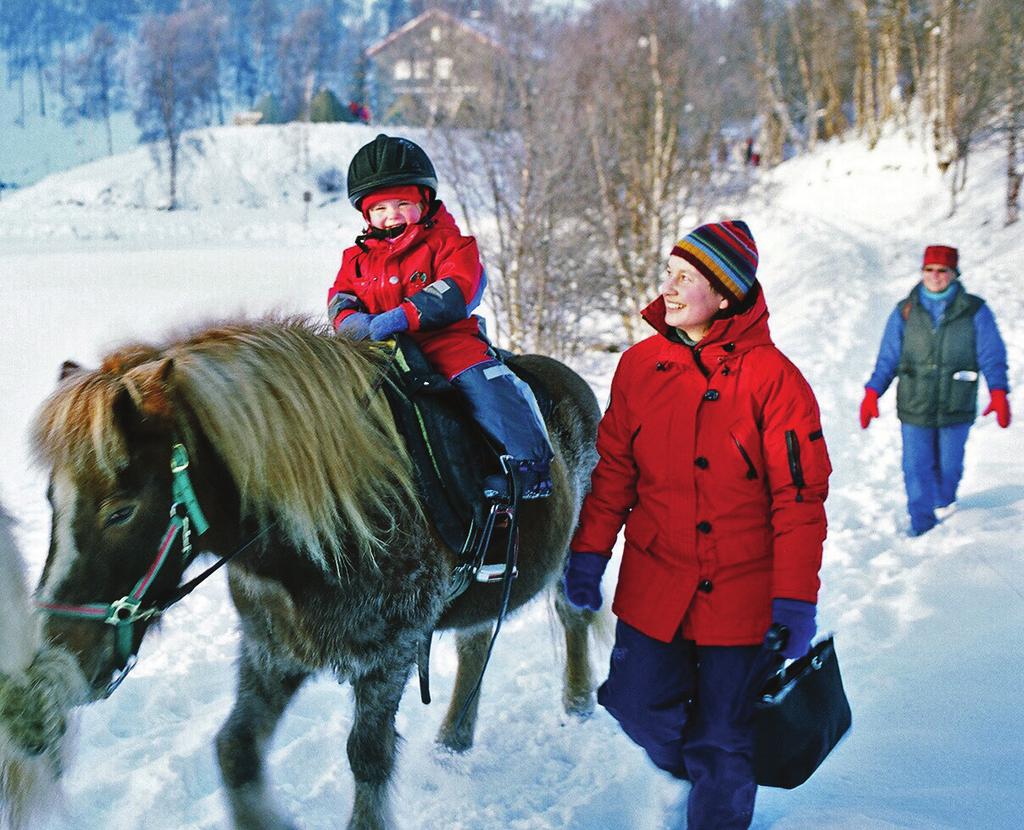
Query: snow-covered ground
point(928, 630)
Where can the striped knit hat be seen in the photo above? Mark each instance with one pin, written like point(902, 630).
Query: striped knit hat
point(725, 253)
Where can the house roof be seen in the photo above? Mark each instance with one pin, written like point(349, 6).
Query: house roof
point(428, 15)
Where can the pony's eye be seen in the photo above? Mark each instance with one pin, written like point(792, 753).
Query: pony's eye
point(119, 516)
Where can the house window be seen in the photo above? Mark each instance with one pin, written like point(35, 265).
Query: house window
point(435, 34)
point(443, 68)
point(403, 70)
point(421, 70)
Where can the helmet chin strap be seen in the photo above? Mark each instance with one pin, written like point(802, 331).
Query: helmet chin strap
point(379, 233)
point(427, 220)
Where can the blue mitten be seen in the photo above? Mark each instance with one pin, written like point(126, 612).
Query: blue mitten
point(798, 618)
point(583, 580)
point(356, 326)
point(382, 326)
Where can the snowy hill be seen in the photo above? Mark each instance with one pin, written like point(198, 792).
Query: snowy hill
point(234, 183)
point(33, 145)
point(928, 630)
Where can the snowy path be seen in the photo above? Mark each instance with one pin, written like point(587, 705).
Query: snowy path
point(928, 630)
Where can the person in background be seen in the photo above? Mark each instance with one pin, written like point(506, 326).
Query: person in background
point(413, 270)
point(935, 341)
point(711, 454)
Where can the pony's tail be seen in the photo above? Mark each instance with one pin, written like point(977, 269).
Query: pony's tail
point(38, 688)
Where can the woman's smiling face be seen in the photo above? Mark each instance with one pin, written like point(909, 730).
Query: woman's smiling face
point(690, 301)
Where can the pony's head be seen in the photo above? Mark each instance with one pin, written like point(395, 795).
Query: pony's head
point(105, 437)
point(281, 425)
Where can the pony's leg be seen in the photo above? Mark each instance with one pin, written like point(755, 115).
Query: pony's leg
point(471, 646)
point(372, 743)
point(578, 683)
point(263, 694)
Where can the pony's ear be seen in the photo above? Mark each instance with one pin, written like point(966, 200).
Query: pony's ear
point(146, 400)
point(67, 369)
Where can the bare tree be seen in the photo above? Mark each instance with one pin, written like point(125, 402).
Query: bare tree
point(302, 53)
point(517, 181)
point(1003, 21)
point(764, 23)
point(614, 118)
point(805, 55)
point(938, 73)
point(864, 101)
point(970, 102)
point(264, 23)
point(96, 76)
point(644, 114)
point(175, 78)
point(1014, 158)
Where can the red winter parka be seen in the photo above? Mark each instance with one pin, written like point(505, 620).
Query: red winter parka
point(433, 273)
point(714, 459)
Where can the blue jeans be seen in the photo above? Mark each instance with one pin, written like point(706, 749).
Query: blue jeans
point(933, 463)
point(687, 706)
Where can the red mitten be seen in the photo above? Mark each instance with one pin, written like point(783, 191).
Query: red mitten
point(868, 407)
point(999, 404)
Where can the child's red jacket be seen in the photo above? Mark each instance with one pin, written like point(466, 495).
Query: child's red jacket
point(433, 273)
point(719, 471)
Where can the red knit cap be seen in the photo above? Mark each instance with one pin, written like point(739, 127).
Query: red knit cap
point(408, 193)
point(941, 255)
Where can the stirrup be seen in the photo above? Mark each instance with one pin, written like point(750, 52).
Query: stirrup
point(500, 516)
point(494, 573)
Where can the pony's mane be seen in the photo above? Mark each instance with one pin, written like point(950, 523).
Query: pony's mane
point(75, 429)
point(288, 407)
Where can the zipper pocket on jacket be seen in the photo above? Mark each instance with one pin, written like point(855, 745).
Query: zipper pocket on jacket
point(751, 470)
point(795, 470)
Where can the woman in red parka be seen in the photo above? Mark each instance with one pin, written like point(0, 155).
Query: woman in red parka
point(712, 456)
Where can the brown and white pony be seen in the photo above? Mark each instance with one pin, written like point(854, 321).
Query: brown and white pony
point(291, 448)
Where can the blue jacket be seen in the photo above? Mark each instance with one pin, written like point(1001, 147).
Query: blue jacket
point(990, 347)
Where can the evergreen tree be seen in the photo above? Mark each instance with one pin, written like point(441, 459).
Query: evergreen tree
point(326, 108)
point(270, 108)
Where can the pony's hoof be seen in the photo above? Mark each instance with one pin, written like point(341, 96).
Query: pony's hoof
point(581, 707)
point(457, 742)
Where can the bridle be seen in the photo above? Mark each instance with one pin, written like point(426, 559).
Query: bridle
point(186, 518)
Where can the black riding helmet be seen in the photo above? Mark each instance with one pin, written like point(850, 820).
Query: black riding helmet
point(388, 161)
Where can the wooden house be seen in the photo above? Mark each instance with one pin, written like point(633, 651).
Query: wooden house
point(438, 69)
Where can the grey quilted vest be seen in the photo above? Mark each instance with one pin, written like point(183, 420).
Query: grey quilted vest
point(938, 369)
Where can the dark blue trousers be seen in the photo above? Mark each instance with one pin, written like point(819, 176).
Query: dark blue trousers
point(689, 707)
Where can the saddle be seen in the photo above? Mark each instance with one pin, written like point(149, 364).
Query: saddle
point(451, 454)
